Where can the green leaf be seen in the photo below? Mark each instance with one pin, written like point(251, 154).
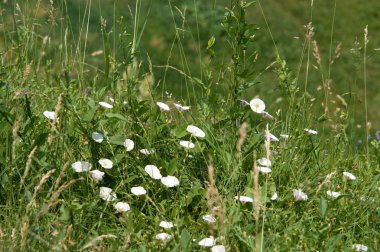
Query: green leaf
point(185, 239)
point(91, 112)
point(180, 131)
point(116, 115)
point(172, 168)
point(117, 139)
point(323, 207)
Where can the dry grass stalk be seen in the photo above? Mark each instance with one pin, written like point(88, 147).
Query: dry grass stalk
point(242, 136)
point(336, 53)
point(26, 73)
point(27, 166)
point(15, 129)
point(316, 53)
point(25, 219)
point(61, 246)
point(55, 123)
point(256, 193)
point(327, 179)
point(98, 238)
point(60, 176)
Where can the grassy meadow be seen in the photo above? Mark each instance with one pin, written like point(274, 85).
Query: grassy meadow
point(189, 125)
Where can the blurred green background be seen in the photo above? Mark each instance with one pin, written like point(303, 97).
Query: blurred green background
point(176, 32)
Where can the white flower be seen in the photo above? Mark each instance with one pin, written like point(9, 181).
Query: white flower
point(153, 171)
point(209, 218)
point(264, 169)
point(81, 166)
point(285, 136)
point(349, 176)
point(122, 207)
point(105, 163)
point(163, 106)
point(97, 137)
point(311, 132)
point(186, 144)
point(333, 195)
point(267, 115)
point(274, 196)
point(146, 151)
point(129, 144)
point(244, 199)
point(180, 107)
point(299, 195)
point(166, 224)
point(97, 175)
point(207, 242)
point(264, 162)
point(195, 131)
point(111, 99)
point(105, 105)
point(163, 236)
point(138, 190)
point(360, 247)
point(107, 194)
point(257, 105)
point(273, 138)
point(170, 181)
point(50, 115)
point(378, 188)
point(218, 248)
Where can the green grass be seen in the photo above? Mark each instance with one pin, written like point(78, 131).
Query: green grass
point(47, 66)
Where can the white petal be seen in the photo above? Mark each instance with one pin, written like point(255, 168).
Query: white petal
point(166, 224)
point(195, 131)
point(284, 136)
point(207, 242)
point(264, 162)
point(209, 218)
point(111, 99)
point(218, 248)
point(122, 207)
point(180, 107)
point(312, 132)
point(81, 166)
point(244, 199)
point(50, 115)
point(257, 105)
point(107, 194)
point(163, 106)
point(299, 195)
point(105, 163)
point(153, 171)
point(138, 190)
point(264, 169)
point(349, 176)
point(105, 105)
point(97, 175)
point(163, 236)
point(274, 196)
point(97, 137)
point(187, 144)
point(146, 151)
point(273, 138)
point(170, 181)
point(129, 144)
point(333, 195)
point(360, 247)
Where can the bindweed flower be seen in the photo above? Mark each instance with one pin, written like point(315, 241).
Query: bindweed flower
point(274, 197)
point(153, 172)
point(105, 163)
point(50, 115)
point(105, 105)
point(377, 134)
point(266, 115)
point(333, 195)
point(264, 169)
point(243, 102)
point(209, 218)
point(299, 195)
point(107, 194)
point(180, 107)
point(146, 151)
point(138, 190)
point(311, 132)
point(81, 166)
point(129, 144)
point(163, 236)
point(97, 175)
point(218, 248)
point(163, 106)
point(264, 162)
point(170, 181)
point(166, 224)
point(285, 136)
point(187, 144)
point(122, 207)
point(257, 105)
point(207, 242)
point(349, 176)
point(360, 142)
point(195, 131)
point(273, 138)
point(244, 199)
point(112, 100)
point(360, 247)
point(97, 137)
